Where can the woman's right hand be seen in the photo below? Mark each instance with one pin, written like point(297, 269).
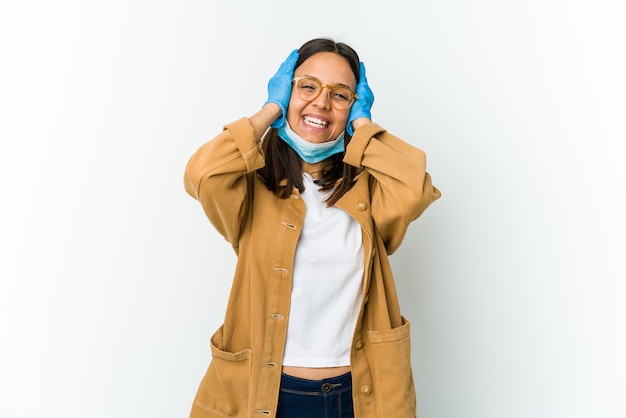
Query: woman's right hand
point(279, 87)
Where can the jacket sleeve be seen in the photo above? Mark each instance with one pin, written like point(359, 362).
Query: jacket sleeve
point(216, 175)
point(400, 189)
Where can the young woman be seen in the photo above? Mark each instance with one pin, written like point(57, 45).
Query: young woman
point(313, 197)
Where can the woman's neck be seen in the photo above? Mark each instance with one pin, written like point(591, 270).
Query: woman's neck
point(314, 170)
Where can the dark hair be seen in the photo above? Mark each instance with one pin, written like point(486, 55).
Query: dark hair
point(282, 171)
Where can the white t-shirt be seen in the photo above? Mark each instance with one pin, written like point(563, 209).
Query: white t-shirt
point(327, 285)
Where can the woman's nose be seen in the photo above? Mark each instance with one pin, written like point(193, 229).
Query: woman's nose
point(323, 100)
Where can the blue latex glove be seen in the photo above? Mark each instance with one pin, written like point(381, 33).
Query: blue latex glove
point(279, 87)
point(362, 108)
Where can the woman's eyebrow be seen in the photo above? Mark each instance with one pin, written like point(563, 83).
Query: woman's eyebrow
point(333, 85)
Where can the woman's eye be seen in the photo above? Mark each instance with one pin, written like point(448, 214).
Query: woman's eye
point(342, 95)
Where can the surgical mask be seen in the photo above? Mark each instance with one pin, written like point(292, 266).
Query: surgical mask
point(308, 151)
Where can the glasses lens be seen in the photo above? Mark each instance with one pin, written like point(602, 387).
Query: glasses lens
point(308, 88)
point(341, 97)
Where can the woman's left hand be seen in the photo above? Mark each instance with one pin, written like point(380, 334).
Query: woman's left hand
point(362, 108)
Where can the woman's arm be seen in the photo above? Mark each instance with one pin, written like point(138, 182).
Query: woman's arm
point(261, 120)
point(401, 189)
point(360, 122)
point(216, 173)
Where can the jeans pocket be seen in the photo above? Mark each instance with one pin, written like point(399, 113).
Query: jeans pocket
point(224, 389)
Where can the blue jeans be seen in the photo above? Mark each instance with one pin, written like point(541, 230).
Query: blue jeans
point(327, 398)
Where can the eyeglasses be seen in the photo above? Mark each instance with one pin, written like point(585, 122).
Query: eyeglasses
point(309, 89)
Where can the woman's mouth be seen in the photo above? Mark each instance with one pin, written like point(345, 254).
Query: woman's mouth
point(314, 122)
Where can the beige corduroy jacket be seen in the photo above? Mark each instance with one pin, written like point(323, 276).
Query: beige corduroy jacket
point(392, 189)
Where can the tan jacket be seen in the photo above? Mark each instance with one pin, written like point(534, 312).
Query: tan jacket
point(392, 190)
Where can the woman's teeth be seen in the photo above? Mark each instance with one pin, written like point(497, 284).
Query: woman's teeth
point(318, 123)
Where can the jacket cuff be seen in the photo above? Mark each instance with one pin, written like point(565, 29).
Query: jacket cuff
point(360, 141)
point(242, 133)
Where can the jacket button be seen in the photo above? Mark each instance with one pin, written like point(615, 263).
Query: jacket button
point(366, 390)
point(358, 345)
point(361, 206)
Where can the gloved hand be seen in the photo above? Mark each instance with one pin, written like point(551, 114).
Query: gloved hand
point(362, 107)
point(279, 87)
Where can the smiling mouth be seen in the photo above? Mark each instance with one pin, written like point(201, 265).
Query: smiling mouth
point(318, 123)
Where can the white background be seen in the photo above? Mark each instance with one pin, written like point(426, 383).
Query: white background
point(112, 279)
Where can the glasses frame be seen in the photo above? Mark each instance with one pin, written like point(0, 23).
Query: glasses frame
point(330, 90)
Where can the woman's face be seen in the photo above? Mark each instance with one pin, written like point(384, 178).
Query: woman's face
point(316, 121)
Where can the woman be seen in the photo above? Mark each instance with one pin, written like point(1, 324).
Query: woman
point(312, 207)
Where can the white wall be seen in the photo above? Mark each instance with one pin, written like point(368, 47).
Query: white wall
point(112, 280)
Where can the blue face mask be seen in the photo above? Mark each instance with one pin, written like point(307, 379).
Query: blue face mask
point(308, 151)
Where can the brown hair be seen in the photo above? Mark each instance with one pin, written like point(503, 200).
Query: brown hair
point(283, 164)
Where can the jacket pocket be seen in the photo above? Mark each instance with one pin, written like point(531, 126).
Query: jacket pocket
point(392, 377)
point(224, 389)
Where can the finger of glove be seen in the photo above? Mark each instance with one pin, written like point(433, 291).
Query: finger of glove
point(288, 66)
point(286, 69)
point(279, 86)
point(363, 90)
point(363, 104)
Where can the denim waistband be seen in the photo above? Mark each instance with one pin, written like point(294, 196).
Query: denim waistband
point(323, 387)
